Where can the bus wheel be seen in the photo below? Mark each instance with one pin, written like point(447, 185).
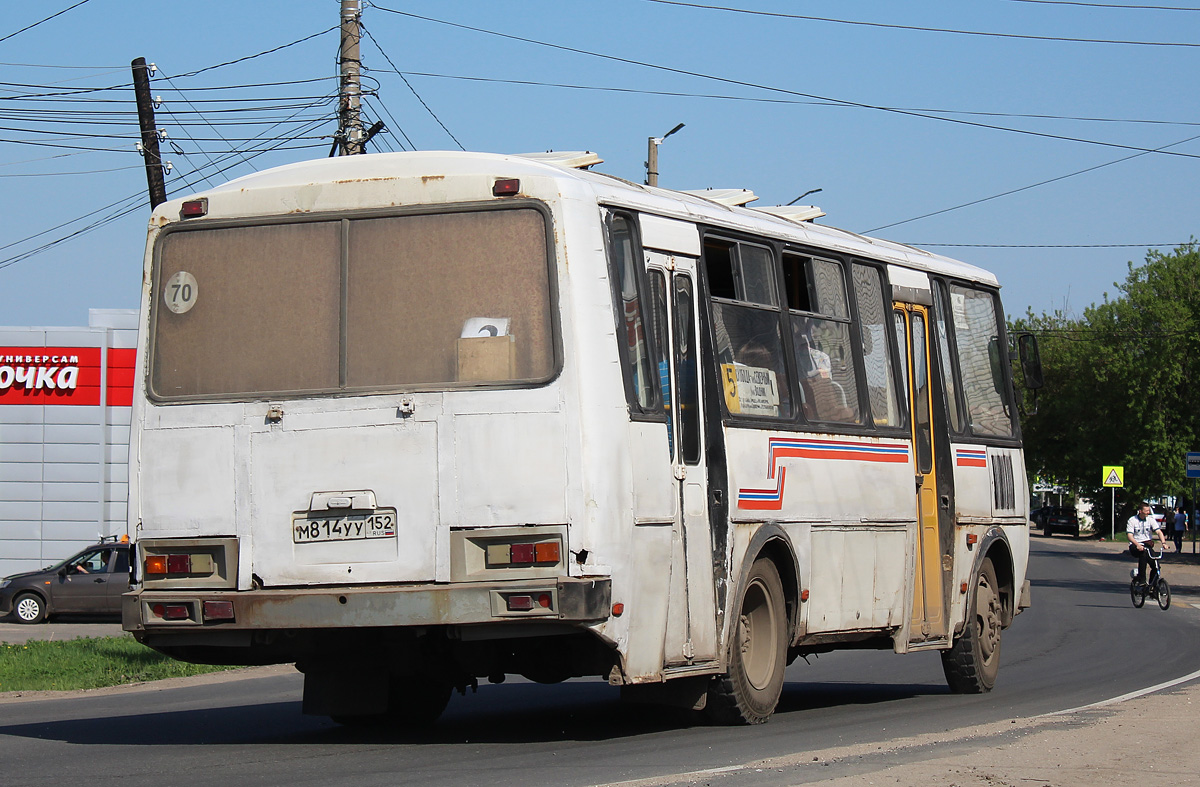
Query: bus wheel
point(973, 662)
point(748, 693)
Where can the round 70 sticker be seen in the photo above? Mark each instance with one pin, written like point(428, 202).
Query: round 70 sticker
point(180, 292)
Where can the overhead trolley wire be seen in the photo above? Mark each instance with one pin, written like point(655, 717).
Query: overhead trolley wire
point(915, 28)
point(785, 91)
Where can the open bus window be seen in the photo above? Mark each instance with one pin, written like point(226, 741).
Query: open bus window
point(742, 280)
point(821, 340)
point(379, 303)
point(740, 272)
point(975, 324)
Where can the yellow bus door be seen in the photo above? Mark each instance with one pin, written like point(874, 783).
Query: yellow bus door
point(928, 621)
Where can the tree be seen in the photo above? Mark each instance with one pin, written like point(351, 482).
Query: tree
point(1122, 382)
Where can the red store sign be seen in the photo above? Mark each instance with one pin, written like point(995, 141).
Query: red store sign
point(64, 375)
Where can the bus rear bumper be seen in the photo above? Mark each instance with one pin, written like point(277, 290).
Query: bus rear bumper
point(562, 599)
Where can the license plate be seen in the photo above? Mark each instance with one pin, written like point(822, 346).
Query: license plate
point(309, 529)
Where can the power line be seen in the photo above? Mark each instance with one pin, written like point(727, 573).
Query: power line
point(1022, 188)
point(410, 87)
point(260, 54)
point(1109, 5)
point(47, 19)
point(785, 91)
point(1058, 39)
point(785, 101)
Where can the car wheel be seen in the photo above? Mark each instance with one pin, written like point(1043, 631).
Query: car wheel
point(29, 608)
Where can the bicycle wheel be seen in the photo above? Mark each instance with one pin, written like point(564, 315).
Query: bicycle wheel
point(1137, 592)
point(1164, 594)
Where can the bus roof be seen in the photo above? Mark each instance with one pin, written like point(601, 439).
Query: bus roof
point(608, 189)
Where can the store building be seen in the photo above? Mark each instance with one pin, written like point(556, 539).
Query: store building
point(65, 401)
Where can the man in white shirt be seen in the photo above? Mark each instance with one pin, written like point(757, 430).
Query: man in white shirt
point(1141, 529)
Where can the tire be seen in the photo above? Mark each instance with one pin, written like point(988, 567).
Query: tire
point(750, 690)
point(1138, 593)
point(412, 702)
point(1164, 594)
point(973, 661)
point(29, 608)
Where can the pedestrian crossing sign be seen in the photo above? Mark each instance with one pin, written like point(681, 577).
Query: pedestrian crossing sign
point(1114, 475)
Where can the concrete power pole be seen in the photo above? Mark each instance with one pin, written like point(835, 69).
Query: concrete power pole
point(145, 107)
point(350, 130)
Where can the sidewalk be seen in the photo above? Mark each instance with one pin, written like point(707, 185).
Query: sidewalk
point(56, 630)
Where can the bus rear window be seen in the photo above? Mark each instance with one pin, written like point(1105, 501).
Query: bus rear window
point(421, 301)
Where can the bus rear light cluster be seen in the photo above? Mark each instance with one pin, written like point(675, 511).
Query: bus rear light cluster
point(171, 611)
point(218, 610)
point(525, 603)
point(524, 554)
point(166, 565)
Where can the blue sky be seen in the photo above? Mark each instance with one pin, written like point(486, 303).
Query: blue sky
point(789, 118)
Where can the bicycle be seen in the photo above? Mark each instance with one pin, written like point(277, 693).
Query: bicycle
point(1157, 587)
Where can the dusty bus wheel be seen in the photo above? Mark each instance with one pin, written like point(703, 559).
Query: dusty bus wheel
point(748, 693)
point(29, 608)
point(972, 663)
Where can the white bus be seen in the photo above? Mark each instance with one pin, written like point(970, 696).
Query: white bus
point(411, 420)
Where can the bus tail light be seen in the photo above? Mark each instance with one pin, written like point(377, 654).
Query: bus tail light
point(193, 208)
point(171, 611)
point(506, 187)
point(524, 554)
point(165, 565)
point(218, 610)
point(528, 602)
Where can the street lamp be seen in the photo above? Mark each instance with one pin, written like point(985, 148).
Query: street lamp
point(652, 156)
point(805, 194)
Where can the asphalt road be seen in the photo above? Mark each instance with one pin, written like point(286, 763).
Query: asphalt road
point(1080, 643)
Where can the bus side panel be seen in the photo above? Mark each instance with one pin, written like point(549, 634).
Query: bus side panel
point(857, 578)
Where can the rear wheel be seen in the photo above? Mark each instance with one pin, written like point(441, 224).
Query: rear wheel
point(1137, 592)
point(973, 662)
point(1164, 594)
point(749, 692)
point(29, 608)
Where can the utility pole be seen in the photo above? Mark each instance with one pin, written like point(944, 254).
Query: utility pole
point(350, 130)
point(145, 108)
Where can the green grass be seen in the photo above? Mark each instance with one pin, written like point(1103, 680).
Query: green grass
point(87, 663)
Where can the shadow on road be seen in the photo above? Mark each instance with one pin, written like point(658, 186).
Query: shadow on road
point(516, 713)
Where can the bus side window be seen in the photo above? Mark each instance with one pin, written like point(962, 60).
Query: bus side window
point(656, 312)
point(744, 290)
point(821, 339)
point(975, 325)
point(949, 378)
point(642, 374)
point(872, 315)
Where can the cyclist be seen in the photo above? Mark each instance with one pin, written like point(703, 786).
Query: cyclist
point(1141, 530)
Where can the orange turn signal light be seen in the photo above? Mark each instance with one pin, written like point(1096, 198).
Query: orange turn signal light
point(156, 564)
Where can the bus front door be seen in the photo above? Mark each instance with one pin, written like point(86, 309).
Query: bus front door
point(928, 621)
point(691, 636)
